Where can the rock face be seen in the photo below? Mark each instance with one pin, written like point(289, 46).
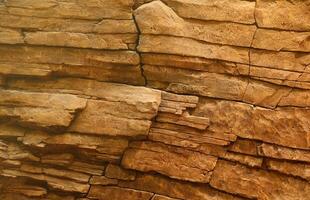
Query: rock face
point(154, 99)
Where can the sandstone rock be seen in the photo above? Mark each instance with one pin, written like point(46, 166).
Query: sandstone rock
point(191, 47)
point(290, 168)
point(190, 140)
point(116, 193)
point(245, 147)
point(291, 61)
point(279, 152)
point(20, 186)
point(10, 130)
point(108, 124)
point(87, 167)
point(68, 25)
point(58, 159)
point(269, 94)
point(283, 126)
point(144, 99)
point(218, 10)
point(287, 15)
point(176, 189)
point(25, 69)
point(61, 55)
point(102, 180)
point(104, 145)
point(76, 176)
point(276, 74)
point(15, 151)
point(34, 138)
point(40, 109)
point(2, 80)
point(116, 172)
point(300, 98)
point(243, 159)
point(81, 40)
point(173, 162)
point(158, 18)
point(185, 119)
point(10, 36)
point(160, 197)
point(259, 184)
point(189, 82)
point(118, 9)
point(56, 183)
point(281, 40)
point(195, 63)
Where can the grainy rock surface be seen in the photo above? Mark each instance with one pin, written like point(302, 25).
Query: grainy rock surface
point(154, 99)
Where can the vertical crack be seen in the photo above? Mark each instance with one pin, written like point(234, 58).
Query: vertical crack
point(136, 49)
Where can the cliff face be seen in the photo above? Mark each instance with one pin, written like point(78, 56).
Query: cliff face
point(155, 100)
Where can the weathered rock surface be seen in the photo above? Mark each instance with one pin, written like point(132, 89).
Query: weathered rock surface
point(291, 125)
point(173, 162)
point(40, 109)
point(240, 180)
point(287, 15)
point(115, 193)
point(154, 99)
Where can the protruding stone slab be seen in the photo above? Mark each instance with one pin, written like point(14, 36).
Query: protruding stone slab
point(116, 193)
point(11, 36)
point(254, 183)
point(279, 152)
point(176, 189)
point(117, 172)
point(40, 109)
point(283, 126)
point(81, 40)
point(118, 9)
point(191, 47)
point(217, 10)
point(171, 161)
point(157, 18)
point(287, 15)
point(301, 170)
point(281, 40)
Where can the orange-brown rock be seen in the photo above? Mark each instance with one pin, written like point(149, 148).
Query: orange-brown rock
point(40, 109)
point(301, 170)
point(118, 9)
point(280, 152)
point(217, 10)
point(158, 18)
point(154, 99)
point(176, 189)
point(287, 15)
point(117, 172)
point(290, 125)
point(115, 193)
point(238, 179)
point(174, 162)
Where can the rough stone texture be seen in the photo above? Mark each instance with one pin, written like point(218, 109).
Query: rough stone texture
point(154, 99)
point(260, 184)
point(173, 162)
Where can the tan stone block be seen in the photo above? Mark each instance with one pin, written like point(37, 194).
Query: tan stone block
point(168, 160)
point(116, 193)
point(287, 15)
point(218, 10)
point(253, 183)
point(117, 172)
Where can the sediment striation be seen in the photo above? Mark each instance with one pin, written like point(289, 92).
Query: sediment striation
point(154, 100)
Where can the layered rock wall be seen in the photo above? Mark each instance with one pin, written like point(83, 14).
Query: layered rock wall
point(155, 100)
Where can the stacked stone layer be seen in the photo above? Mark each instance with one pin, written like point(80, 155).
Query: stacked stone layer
point(154, 100)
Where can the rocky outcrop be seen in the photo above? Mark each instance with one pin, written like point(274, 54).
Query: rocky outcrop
point(154, 99)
